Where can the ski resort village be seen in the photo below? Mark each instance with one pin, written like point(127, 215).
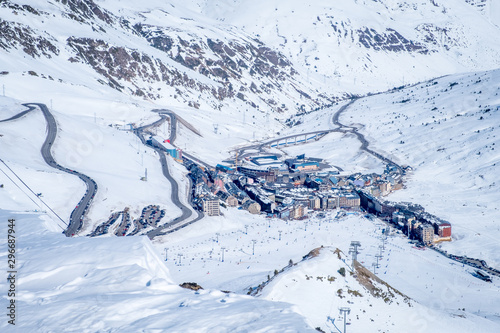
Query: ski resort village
point(264, 166)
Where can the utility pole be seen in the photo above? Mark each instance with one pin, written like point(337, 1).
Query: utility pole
point(353, 249)
point(345, 311)
point(180, 256)
point(253, 246)
point(222, 248)
point(166, 253)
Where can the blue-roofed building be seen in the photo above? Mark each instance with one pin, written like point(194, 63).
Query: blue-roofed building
point(224, 168)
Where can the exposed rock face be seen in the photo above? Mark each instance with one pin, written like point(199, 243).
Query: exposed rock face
point(84, 10)
point(390, 40)
point(120, 63)
point(15, 35)
point(226, 59)
point(196, 67)
point(376, 286)
point(235, 64)
point(191, 285)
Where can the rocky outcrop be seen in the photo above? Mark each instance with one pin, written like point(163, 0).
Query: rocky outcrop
point(85, 10)
point(191, 285)
point(244, 67)
point(17, 36)
point(118, 63)
point(390, 40)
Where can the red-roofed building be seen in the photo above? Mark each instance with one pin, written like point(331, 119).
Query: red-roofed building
point(444, 229)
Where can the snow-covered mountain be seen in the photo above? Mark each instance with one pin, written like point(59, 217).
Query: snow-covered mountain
point(119, 285)
point(362, 45)
point(446, 129)
point(267, 55)
point(236, 72)
point(153, 55)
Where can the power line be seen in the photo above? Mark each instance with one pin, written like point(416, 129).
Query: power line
point(31, 192)
point(20, 189)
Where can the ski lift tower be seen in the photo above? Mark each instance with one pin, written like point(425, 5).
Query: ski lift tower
point(345, 310)
point(353, 249)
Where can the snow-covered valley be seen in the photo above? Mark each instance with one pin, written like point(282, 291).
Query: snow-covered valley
point(236, 74)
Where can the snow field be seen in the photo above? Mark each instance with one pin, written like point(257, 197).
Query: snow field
point(123, 286)
point(439, 285)
point(447, 132)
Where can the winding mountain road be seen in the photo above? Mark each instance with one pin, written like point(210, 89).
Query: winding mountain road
point(361, 137)
point(77, 215)
point(186, 212)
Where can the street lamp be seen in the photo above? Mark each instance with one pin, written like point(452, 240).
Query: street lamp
point(166, 253)
point(217, 234)
point(180, 257)
point(345, 310)
point(246, 229)
point(253, 246)
point(222, 248)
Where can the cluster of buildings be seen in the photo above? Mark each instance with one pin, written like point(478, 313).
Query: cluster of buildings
point(415, 222)
point(293, 188)
point(288, 189)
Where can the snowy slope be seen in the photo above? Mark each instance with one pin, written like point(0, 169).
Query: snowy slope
point(235, 70)
point(364, 46)
point(119, 285)
point(438, 287)
point(445, 129)
point(318, 290)
point(448, 131)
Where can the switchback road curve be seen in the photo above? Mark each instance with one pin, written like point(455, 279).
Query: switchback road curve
point(78, 214)
point(174, 196)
